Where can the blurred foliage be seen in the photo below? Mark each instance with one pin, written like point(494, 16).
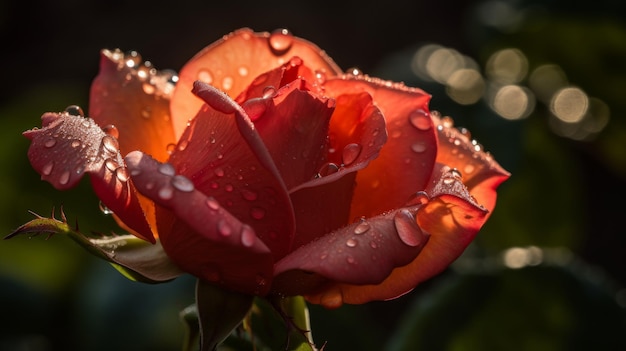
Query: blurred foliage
point(563, 194)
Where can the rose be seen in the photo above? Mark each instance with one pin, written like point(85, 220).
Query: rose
point(268, 171)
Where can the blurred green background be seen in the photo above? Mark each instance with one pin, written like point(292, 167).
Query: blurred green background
point(538, 83)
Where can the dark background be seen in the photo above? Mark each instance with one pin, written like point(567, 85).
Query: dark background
point(565, 199)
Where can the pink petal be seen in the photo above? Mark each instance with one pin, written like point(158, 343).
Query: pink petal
point(200, 235)
point(233, 62)
point(452, 218)
point(481, 173)
point(222, 153)
point(68, 146)
point(404, 163)
point(136, 101)
point(357, 136)
point(294, 128)
point(362, 253)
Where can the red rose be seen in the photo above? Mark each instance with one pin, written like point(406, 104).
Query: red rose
point(266, 170)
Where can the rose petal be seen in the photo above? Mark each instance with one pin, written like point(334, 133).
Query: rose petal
point(357, 130)
point(481, 173)
point(68, 146)
point(224, 156)
point(201, 236)
point(410, 148)
point(233, 62)
point(294, 128)
point(136, 101)
point(451, 217)
point(364, 252)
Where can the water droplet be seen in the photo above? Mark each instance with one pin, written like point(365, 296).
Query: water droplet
point(269, 92)
point(469, 168)
point(132, 59)
point(75, 110)
point(362, 227)
point(64, 178)
point(408, 230)
point(447, 122)
point(229, 188)
point(182, 145)
point(249, 194)
point(354, 71)
point(205, 76)
point(110, 144)
point(104, 209)
point(351, 243)
point(219, 172)
point(224, 228)
point(111, 164)
point(350, 153)
point(212, 203)
point(148, 88)
point(243, 71)
point(47, 169)
point(170, 148)
point(75, 143)
point(456, 173)
point(257, 213)
point(247, 236)
point(227, 83)
point(420, 119)
point(166, 192)
point(182, 183)
point(146, 112)
point(166, 169)
point(320, 76)
point(122, 174)
point(280, 41)
point(373, 244)
point(50, 142)
point(350, 260)
point(328, 169)
point(323, 256)
point(418, 147)
point(135, 172)
point(419, 198)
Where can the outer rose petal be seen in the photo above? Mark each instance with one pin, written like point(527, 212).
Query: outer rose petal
point(222, 153)
point(68, 146)
point(233, 62)
point(203, 238)
point(481, 173)
point(134, 100)
point(362, 253)
point(404, 164)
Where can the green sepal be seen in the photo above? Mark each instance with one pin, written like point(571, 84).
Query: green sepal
point(136, 259)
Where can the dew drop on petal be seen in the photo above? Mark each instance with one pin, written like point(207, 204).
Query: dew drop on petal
point(75, 110)
point(328, 169)
point(280, 41)
point(420, 119)
point(219, 172)
point(122, 174)
point(205, 76)
point(47, 169)
point(224, 228)
point(182, 183)
point(351, 243)
point(75, 143)
point(111, 130)
point(249, 194)
point(350, 260)
point(408, 230)
point(166, 192)
point(227, 83)
point(64, 178)
point(350, 153)
point(166, 169)
point(418, 147)
point(170, 148)
point(257, 213)
point(229, 188)
point(354, 71)
point(212, 203)
point(50, 142)
point(447, 122)
point(247, 236)
point(269, 92)
point(373, 244)
point(469, 168)
point(320, 76)
point(111, 164)
point(110, 144)
point(182, 145)
point(362, 227)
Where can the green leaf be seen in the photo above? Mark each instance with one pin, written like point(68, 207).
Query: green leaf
point(189, 317)
point(135, 258)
